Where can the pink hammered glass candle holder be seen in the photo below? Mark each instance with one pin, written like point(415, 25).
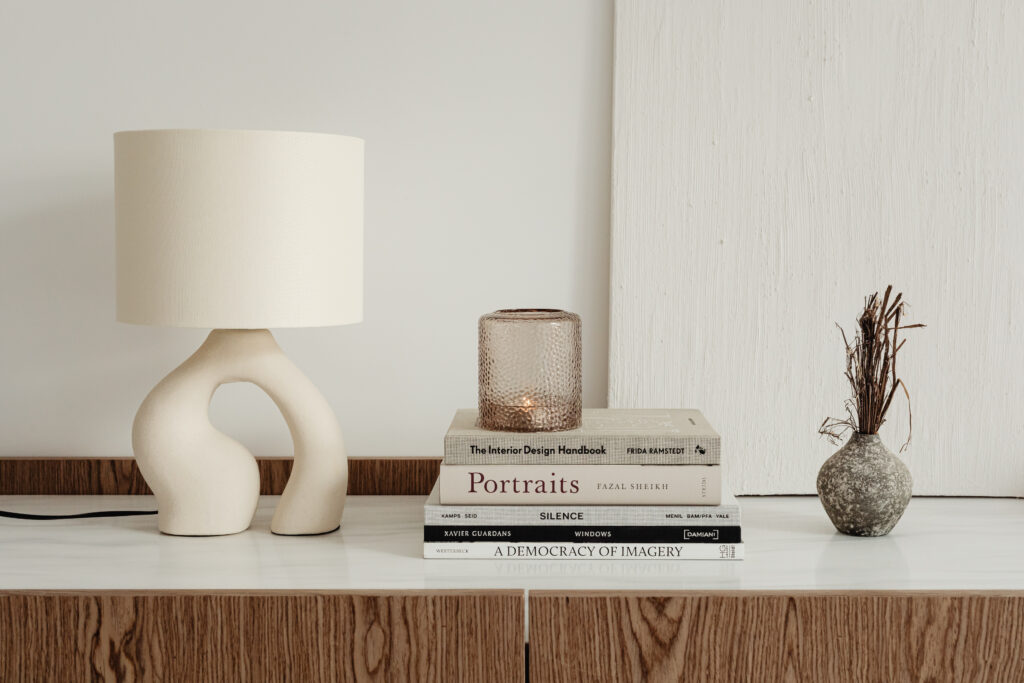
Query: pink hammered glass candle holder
point(531, 370)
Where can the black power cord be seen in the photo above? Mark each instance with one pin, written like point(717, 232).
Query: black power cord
point(80, 515)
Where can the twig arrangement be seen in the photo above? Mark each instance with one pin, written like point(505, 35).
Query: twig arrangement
point(871, 369)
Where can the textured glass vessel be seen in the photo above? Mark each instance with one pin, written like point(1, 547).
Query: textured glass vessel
point(531, 367)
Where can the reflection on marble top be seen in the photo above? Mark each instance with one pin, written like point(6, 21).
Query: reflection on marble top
point(941, 544)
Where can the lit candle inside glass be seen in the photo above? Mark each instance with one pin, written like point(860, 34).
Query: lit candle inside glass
point(530, 370)
point(525, 411)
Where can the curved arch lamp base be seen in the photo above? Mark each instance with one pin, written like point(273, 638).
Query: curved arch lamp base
point(208, 484)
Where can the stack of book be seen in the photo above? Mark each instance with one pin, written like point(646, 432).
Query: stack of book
point(628, 484)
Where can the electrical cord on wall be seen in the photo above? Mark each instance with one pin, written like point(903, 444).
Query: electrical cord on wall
point(80, 515)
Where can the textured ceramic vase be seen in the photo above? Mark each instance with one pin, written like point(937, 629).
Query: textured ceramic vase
point(864, 487)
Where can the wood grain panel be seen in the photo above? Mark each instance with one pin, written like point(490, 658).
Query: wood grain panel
point(121, 476)
point(392, 476)
point(813, 637)
point(127, 636)
point(773, 163)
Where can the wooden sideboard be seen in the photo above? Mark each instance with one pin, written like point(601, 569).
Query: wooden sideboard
point(941, 599)
point(777, 636)
point(195, 635)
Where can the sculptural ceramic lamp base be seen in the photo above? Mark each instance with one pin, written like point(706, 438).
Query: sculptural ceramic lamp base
point(208, 484)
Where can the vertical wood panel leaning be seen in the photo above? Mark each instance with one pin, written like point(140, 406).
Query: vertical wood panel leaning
point(773, 160)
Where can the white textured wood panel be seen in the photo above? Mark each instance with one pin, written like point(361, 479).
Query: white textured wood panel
point(774, 162)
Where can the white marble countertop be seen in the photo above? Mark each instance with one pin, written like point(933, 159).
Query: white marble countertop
point(941, 544)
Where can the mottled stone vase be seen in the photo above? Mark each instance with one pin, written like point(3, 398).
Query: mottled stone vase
point(864, 487)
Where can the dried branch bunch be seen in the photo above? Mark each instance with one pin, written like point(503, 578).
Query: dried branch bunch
point(871, 368)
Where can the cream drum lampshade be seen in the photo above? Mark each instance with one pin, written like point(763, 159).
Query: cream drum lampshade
point(238, 231)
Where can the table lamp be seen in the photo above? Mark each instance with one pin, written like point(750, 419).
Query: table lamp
point(238, 231)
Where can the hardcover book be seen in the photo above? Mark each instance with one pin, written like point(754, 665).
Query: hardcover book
point(580, 484)
point(580, 524)
point(608, 436)
point(584, 551)
point(725, 514)
point(582, 534)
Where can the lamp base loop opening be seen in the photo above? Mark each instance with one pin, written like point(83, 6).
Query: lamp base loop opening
point(207, 483)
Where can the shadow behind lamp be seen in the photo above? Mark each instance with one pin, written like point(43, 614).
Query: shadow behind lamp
point(238, 231)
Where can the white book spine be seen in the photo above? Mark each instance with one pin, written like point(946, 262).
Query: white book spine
point(582, 515)
point(604, 437)
point(559, 448)
point(580, 485)
point(583, 551)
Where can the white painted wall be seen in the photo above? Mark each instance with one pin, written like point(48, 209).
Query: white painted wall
point(773, 163)
point(487, 128)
